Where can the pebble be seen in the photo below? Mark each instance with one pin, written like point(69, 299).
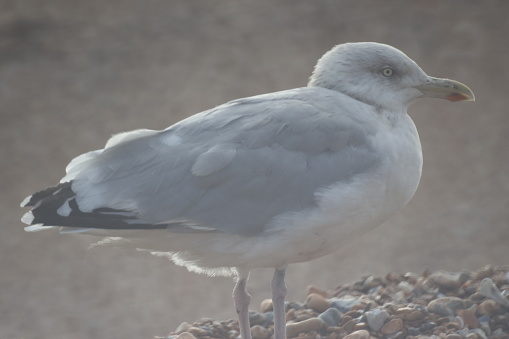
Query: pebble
point(453, 325)
point(392, 326)
point(411, 277)
point(448, 280)
point(480, 333)
point(376, 318)
point(269, 318)
point(331, 316)
point(266, 305)
point(453, 336)
point(255, 318)
point(317, 303)
point(484, 324)
point(348, 326)
point(185, 335)
point(488, 288)
point(484, 272)
point(405, 287)
point(184, 327)
point(468, 317)
point(259, 332)
point(428, 326)
point(360, 326)
point(344, 304)
point(197, 331)
point(410, 314)
point(292, 305)
point(312, 324)
point(317, 290)
point(361, 334)
point(446, 306)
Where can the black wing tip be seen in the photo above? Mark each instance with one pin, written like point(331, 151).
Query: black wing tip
point(34, 199)
point(45, 205)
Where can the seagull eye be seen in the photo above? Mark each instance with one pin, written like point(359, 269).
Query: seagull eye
point(387, 72)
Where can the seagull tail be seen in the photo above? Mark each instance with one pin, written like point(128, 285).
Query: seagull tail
point(57, 206)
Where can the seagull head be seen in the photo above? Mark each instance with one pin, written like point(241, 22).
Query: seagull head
point(382, 76)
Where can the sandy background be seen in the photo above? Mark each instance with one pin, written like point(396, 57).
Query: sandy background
point(74, 72)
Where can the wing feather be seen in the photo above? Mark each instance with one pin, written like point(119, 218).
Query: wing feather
point(232, 168)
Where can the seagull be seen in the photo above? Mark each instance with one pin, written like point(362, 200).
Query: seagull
point(259, 182)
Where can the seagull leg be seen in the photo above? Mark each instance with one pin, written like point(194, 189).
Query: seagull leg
point(241, 300)
point(278, 303)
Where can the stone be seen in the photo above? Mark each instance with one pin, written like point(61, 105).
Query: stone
point(453, 325)
point(290, 315)
point(255, 318)
point(292, 305)
point(410, 314)
point(453, 336)
point(469, 318)
point(361, 334)
point(448, 280)
point(393, 277)
point(266, 305)
point(488, 288)
point(197, 331)
point(480, 333)
point(484, 272)
point(484, 324)
point(488, 307)
point(314, 289)
point(392, 326)
point(185, 335)
point(366, 304)
point(344, 304)
point(360, 326)
point(184, 327)
point(376, 318)
point(259, 332)
point(411, 277)
point(446, 306)
point(331, 316)
point(405, 287)
point(317, 303)
point(269, 318)
point(428, 326)
point(413, 331)
point(348, 326)
point(312, 324)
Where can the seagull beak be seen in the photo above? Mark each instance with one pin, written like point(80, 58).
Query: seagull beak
point(446, 89)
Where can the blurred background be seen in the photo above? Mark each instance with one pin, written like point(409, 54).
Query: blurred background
point(72, 73)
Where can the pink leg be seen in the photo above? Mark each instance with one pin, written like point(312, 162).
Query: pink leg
point(278, 303)
point(241, 300)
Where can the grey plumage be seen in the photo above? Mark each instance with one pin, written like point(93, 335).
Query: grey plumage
point(262, 155)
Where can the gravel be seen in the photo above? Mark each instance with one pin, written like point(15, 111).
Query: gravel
point(450, 305)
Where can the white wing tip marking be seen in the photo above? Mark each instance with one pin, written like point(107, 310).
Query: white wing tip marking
point(25, 201)
point(38, 228)
point(27, 218)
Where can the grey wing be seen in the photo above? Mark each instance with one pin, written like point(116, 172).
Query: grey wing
point(230, 169)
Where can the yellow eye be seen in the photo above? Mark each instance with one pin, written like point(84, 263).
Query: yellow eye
point(387, 72)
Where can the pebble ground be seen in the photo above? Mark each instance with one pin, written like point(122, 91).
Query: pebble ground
point(450, 305)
